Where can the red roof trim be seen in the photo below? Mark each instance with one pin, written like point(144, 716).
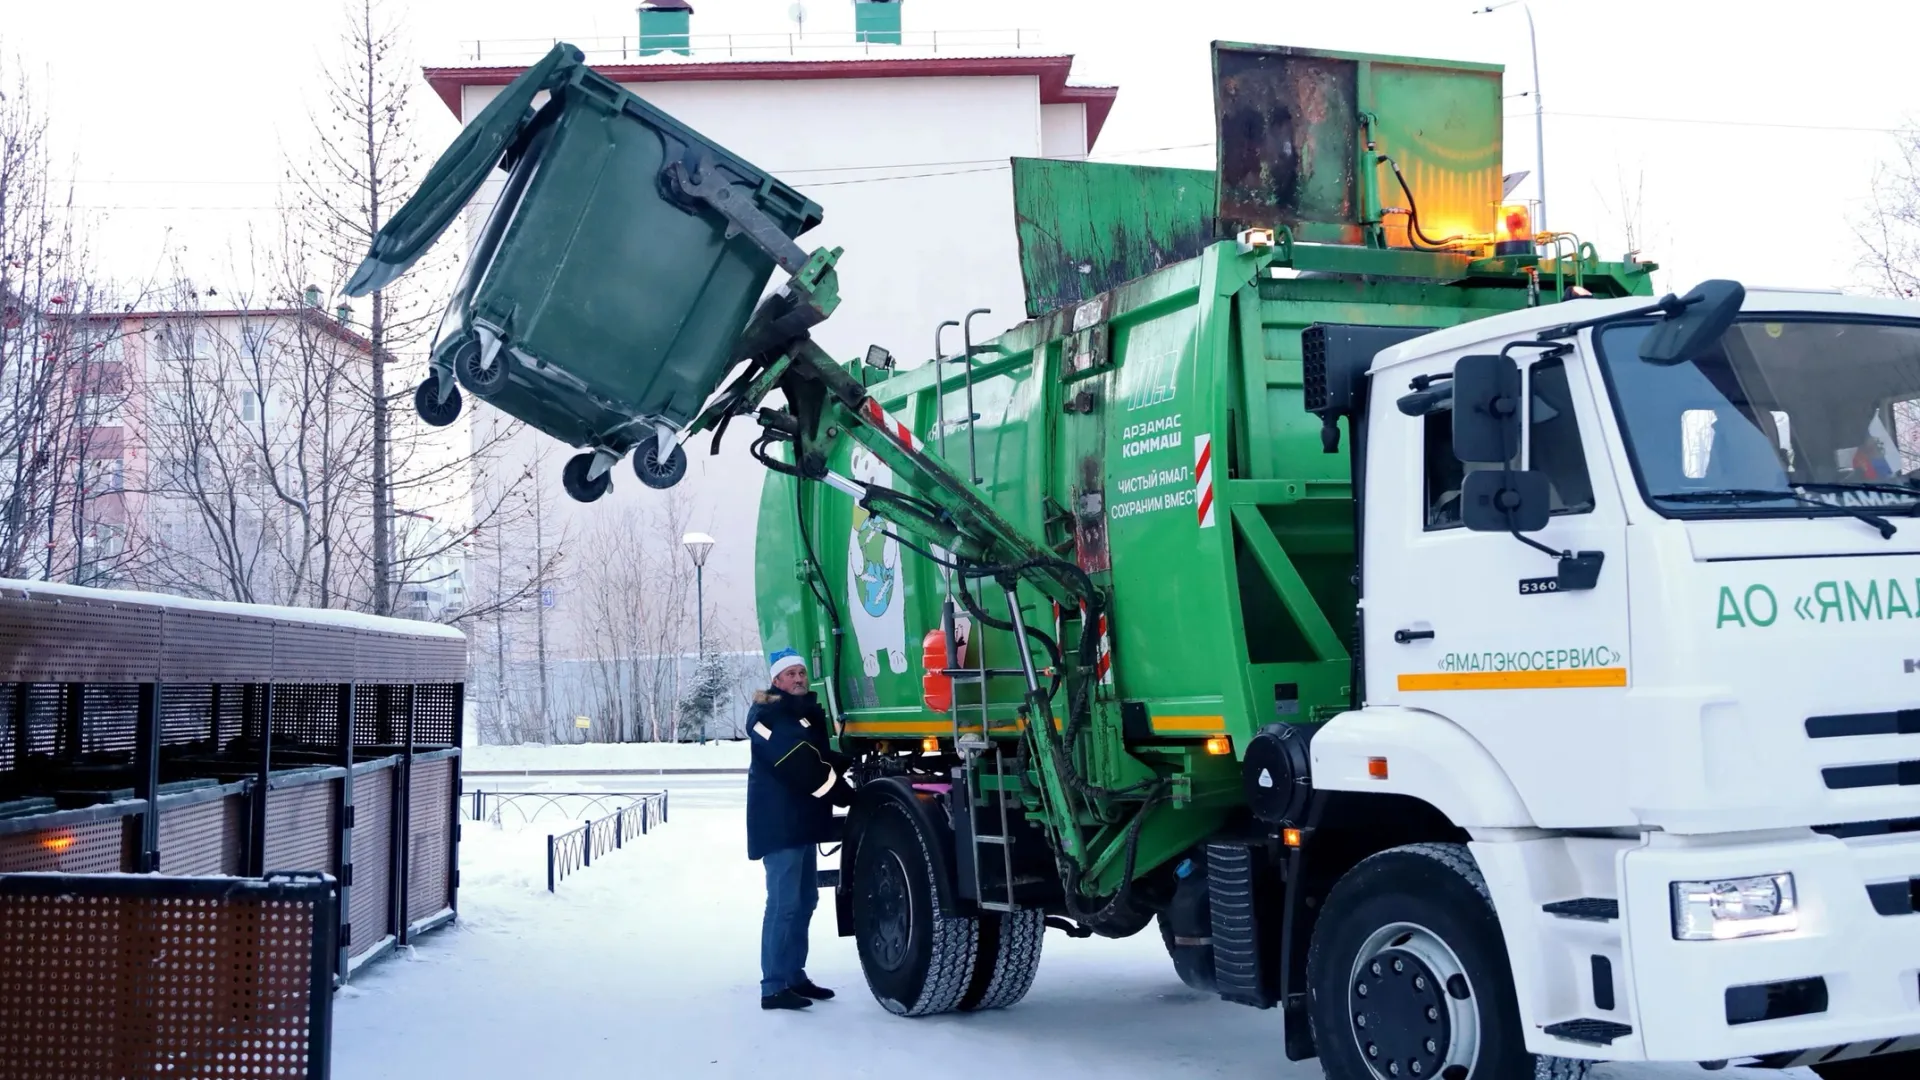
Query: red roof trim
point(1052, 71)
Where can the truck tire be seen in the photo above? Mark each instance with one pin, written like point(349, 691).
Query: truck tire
point(1903, 1066)
point(917, 961)
point(1194, 965)
point(1408, 976)
point(1005, 959)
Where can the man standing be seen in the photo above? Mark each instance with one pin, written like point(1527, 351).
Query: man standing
point(793, 784)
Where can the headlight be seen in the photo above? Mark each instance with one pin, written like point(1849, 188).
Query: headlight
point(1734, 908)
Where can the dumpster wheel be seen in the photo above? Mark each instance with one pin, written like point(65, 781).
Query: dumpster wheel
point(654, 472)
point(484, 381)
point(579, 480)
point(428, 404)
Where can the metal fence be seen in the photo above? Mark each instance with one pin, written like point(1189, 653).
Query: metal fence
point(575, 849)
point(150, 975)
point(527, 807)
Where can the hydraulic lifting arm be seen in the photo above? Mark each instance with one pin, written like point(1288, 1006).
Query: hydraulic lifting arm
point(933, 508)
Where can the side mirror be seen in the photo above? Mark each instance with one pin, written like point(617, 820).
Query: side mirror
point(1486, 409)
point(1707, 312)
point(1505, 500)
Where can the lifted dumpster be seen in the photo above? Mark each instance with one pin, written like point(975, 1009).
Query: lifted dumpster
point(605, 295)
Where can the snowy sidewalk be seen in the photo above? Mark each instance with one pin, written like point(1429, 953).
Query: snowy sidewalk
point(647, 965)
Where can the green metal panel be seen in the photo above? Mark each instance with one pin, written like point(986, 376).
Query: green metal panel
point(877, 21)
point(665, 30)
point(1293, 130)
point(1085, 227)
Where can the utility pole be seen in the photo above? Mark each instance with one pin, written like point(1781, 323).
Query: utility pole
point(1539, 109)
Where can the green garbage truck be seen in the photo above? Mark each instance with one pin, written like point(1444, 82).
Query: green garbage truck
point(1425, 630)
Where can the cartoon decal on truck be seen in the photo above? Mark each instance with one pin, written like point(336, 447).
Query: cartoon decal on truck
point(873, 579)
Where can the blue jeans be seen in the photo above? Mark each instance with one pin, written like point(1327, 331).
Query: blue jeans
point(791, 896)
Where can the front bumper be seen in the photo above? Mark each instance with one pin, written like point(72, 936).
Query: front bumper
point(1867, 963)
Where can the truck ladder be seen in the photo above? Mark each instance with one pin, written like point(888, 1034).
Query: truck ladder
point(976, 750)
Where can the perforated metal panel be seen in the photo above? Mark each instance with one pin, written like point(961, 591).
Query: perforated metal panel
point(306, 715)
point(205, 838)
point(95, 847)
point(380, 715)
point(210, 978)
point(44, 716)
point(301, 824)
point(436, 715)
point(109, 717)
point(370, 900)
point(186, 715)
point(429, 838)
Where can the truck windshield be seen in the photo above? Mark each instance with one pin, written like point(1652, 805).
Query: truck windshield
point(1823, 411)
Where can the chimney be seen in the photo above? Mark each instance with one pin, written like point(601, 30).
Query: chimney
point(665, 27)
point(876, 22)
point(344, 313)
point(313, 296)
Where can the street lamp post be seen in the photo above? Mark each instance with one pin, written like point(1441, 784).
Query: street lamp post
point(698, 545)
point(1539, 122)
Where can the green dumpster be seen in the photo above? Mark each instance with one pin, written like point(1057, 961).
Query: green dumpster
point(603, 301)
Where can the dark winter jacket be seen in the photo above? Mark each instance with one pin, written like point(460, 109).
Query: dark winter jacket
point(796, 779)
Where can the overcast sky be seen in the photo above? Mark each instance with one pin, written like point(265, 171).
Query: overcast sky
point(1756, 136)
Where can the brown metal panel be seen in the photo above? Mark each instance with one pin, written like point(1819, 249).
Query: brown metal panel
point(215, 647)
point(369, 900)
point(303, 653)
point(205, 838)
point(123, 986)
point(301, 823)
point(97, 847)
point(74, 640)
point(429, 840)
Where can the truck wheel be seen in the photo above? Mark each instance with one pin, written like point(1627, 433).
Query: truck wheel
point(654, 471)
point(1005, 959)
point(427, 403)
point(1904, 1066)
point(917, 961)
point(574, 479)
point(482, 381)
point(1193, 963)
point(1409, 977)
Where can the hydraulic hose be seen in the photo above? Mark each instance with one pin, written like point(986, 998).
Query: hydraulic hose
point(1421, 241)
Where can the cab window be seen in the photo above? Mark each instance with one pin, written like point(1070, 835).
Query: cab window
point(1557, 452)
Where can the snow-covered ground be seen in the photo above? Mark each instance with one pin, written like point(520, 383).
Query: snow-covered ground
point(647, 965)
point(713, 755)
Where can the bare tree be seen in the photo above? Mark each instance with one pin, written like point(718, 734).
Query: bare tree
point(516, 556)
point(1889, 233)
point(257, 444)
point(635, 596)
point(62, 387)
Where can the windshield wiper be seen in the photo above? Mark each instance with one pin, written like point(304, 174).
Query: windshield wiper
point(1739, 495)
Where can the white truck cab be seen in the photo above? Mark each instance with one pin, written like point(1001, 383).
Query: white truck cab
point(1647, 629)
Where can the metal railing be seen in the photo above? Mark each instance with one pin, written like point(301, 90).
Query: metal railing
point(576, 848)
point(601, 50)
point(530, 806)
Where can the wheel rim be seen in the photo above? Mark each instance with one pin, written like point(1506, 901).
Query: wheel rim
point(890, 913)
point(482, 379)
point(1411, 1006)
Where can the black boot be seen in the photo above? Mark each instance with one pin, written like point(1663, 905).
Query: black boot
point(785, 999)
point(807, 989)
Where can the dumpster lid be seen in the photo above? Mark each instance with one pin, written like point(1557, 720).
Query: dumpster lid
point(458, 174)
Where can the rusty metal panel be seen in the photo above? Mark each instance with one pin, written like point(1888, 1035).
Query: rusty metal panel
point(1292, 144)
point(302, 826)
point(430, 838)
point(1085, 227)
point(94, 847)
point(141, 976)
point(204, 838)
point(369, 902)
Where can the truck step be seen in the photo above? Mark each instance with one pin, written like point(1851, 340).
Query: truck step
point(826, 879)
point(1591, 1032)
point(990, 840)
point(1589, 908)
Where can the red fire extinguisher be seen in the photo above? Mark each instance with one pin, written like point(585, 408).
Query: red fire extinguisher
point(936, 686)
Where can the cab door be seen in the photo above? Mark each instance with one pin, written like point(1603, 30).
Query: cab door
point(1473, 626)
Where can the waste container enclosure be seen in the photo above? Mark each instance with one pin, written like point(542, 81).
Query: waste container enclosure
point(599, 305)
